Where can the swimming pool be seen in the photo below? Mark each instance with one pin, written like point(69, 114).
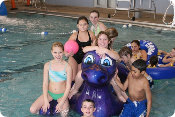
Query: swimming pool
point(24, 51)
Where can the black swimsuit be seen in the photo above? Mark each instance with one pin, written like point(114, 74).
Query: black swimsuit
point(80, 54)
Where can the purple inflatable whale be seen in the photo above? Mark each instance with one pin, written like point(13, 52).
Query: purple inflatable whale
point(97, 73)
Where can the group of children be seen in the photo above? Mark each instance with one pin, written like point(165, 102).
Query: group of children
point(59, 74)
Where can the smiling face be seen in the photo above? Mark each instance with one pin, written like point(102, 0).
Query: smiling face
point(172, 53)
point(83, 25)
point(88, 109)
point(135, 47)
point(94, 18)
point(57, 53)
point(103, 41)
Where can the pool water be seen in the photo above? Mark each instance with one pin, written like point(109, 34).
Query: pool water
point(23, 52)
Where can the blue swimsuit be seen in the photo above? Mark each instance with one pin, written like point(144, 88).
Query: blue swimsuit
point(57, 76)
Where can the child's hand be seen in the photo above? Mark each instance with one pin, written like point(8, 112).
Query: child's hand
point(59, 107)
point(173, 59)
point(139, 55)
point(101, 52)
point(68, 54)
point(160, 51)
point(45, 106)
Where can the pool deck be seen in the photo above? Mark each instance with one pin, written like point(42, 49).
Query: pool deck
point(147, 19)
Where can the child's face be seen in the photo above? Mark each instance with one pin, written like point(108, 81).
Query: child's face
point(94, 18)
point(103, 41)
point(172, 53)
point(82, 25)
point(125, 59)
point(88, 109)
point(134, 47)
point(135, 72)
point(57, 53)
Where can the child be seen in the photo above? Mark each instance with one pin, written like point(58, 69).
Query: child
point(137, 52)
point(57, 78)
point(113, 33)
point(84, 38)
point(126, 56)
point(96, 25)
point(88, 108)
point(154, 62)
point(168, 57)
point(103, 42)
point(140, 98)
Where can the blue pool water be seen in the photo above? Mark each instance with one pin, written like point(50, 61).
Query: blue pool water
point(23, 54)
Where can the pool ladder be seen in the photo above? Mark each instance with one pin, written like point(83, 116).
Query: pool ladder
point(132, 8)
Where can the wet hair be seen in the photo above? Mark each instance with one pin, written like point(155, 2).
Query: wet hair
point(95, 11)
point(140, 64)
point(82, 18)
point(109, 39)
point(136, 41)
point(125, 51)
point(174, 48)
point(89, 100)
point(57, 44)
point(112, 32)
point(153, 60)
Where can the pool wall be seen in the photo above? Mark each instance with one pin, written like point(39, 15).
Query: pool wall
point(161, 5)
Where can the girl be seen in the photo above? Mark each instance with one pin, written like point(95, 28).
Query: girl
point(58, 73)
point(96, 25)
point(104, 44)
point(137, 52)
point(168, 57)
point(84, 38)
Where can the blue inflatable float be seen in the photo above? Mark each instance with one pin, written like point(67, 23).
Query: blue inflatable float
point(158, 72)
point(3, 9)
point(148, 46)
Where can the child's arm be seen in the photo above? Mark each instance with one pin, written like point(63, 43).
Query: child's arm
point(45, 87)
point(124, 86)
point(93, 38)
point(148, 96)
point(68, 87)
point(170, 64)
point(165, 59)
point(102, 27)
point(111, 53)
point(163, 52)
point(89, 48)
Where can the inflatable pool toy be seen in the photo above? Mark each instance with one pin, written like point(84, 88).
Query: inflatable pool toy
point(3, 9)
point(159, 73)
point(96, 86)
point(148, 46)
point(97, 73)
point(71, 45)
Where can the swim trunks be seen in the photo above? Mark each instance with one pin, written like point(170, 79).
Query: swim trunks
point(55, 96)
point(80, 54)
point(134, 109)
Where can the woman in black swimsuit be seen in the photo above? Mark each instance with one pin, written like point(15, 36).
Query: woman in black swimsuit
point(84, 38)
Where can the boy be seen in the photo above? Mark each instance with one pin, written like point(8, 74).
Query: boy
point(88, 108)
point(140, 99)
point(126, 56)
point(96, 25)
point(168, 57)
